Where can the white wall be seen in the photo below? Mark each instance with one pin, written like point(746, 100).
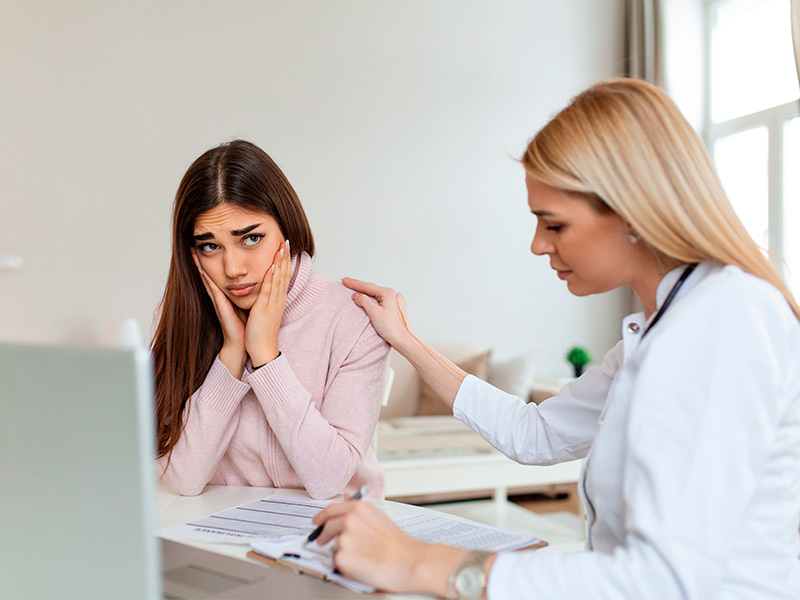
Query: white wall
point(396, 121)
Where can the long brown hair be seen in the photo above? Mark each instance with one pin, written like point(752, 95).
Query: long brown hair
point(188, 336)
point(623, 144)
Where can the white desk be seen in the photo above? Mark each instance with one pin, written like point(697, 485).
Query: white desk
point(175, 510)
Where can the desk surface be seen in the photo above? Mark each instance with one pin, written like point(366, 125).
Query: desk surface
point(175, 510)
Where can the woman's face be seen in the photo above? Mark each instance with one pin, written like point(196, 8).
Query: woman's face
point(588, 249)
point(235, 248)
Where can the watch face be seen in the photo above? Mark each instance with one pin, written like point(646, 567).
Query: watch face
point(469, 582)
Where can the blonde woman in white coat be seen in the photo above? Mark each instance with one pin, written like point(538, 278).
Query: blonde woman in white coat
point(690, 426)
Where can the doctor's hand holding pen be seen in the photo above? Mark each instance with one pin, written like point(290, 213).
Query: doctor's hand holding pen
point(370, 548)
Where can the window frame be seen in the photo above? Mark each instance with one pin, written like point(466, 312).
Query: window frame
point(773, 119)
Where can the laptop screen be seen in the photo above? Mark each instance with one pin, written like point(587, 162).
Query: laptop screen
point(77, 507)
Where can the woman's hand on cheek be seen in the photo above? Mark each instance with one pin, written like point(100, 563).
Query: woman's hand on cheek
point(369, 547)
point(264, 322)
point(232, 354)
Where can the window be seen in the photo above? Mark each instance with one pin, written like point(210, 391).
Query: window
point(753, 128)
point(791, 195)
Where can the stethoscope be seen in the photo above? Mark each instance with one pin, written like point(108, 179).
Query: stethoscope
point(670, 297)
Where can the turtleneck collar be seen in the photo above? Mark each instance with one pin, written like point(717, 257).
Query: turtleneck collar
point(303, 289)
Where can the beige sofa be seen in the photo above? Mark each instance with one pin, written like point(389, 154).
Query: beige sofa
point(418, 437)
point(409, 396)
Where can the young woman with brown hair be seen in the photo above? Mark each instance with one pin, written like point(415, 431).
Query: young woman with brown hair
point(266, 373)
point(690, 427)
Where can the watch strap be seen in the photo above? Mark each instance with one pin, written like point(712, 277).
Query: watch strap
point(472, 559)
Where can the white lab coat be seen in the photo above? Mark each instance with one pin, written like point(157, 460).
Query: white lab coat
point(692, 443)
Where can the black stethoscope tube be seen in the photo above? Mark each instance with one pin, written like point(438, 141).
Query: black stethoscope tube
point(672, 293)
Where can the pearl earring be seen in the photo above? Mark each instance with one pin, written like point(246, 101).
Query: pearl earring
point(633, 238)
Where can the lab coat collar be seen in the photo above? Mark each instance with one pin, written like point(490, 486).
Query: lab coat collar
point(634, 325)
point(671, 278)
point(632, 330)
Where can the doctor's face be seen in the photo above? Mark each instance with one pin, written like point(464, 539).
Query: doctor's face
point(587, 248)
point(235, 247)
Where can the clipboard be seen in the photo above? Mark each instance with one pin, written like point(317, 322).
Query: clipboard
point(285, 565)
point(298, 562)
point(540, 544)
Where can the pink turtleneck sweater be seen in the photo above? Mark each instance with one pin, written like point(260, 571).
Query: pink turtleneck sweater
point(304, 420)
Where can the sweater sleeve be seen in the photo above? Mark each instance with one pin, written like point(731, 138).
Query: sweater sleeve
point(326, 444)
point(559, 429)
point(209, 421)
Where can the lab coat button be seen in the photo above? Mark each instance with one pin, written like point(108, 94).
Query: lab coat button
point(633, 327)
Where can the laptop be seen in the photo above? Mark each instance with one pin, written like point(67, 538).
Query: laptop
point(77, 502)
point(77, 507)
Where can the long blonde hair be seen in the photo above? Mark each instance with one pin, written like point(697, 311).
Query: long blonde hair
point(623, 144)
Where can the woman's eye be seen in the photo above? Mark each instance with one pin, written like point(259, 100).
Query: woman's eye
point(554, 227)
point(253, 239)
point(206, 247)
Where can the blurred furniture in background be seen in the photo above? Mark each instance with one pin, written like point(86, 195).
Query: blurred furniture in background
point(429, 456)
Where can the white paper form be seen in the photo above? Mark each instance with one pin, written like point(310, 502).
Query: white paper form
point(276, 516)
point(428, 526)
point(271, 517)
point(443, 528)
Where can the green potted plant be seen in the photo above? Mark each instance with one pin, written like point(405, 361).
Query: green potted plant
point(579, 357)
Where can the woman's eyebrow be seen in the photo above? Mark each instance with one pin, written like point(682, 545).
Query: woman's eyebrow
point(235, 232)
point(543, 213)
point(245, 230)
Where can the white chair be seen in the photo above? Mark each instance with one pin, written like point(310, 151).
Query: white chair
point(384, 401)
point(388, 390)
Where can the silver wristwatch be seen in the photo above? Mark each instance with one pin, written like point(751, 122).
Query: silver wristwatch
point(468, 581)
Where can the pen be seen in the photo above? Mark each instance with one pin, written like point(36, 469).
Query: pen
point(357, 496)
